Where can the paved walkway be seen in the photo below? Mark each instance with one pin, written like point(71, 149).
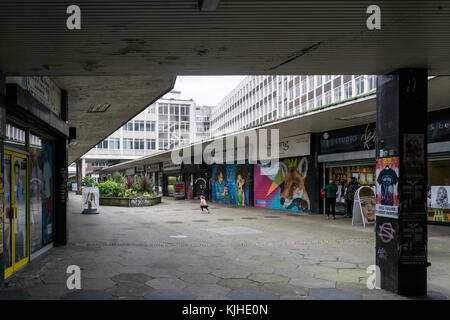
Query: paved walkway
point(171, 251)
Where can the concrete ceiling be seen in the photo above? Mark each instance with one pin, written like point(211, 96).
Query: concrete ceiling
point(157, 40)
point(239, 37)
point(127, 96)
point(318, 121)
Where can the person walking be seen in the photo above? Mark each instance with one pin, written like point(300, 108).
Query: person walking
point(330, 198)
point(350, 196)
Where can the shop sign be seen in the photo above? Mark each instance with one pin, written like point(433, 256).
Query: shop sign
point(387, 176)
point(74, 186)
point(295, 146)
point(154, 167)
point(349, 139)
point(170, 166)
point(139, 169)
point(439, 126)
point(42, 89)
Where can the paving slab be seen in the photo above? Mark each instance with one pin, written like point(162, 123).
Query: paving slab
point(87, 295)
point(170, 294)
point(249, 294)
point(333, 294)
point(285, 257)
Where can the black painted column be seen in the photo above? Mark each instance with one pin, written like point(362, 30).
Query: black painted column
point(401, 217)
point(2, 137)
point(61, 176)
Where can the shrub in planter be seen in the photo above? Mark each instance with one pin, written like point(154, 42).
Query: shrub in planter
point(110, 188)
point(88, 182)
point(129, 182)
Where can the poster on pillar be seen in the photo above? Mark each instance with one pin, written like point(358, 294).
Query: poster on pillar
point(387, 176)
point(230, 184)
point(283, 187)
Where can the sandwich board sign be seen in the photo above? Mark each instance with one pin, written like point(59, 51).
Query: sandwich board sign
point(90, 200)
point(364, 205)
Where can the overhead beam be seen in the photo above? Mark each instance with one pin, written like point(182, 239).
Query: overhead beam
point(208, 5)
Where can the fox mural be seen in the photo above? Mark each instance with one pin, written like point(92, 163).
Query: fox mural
point(282, 187)
point(293, 187)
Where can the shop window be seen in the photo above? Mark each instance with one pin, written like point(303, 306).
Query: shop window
point(439, 191)
point(47, 174)
point(15, 135)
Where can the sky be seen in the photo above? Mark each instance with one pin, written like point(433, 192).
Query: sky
point(206, 90)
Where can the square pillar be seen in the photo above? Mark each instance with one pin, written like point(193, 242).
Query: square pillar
point(2, 137)
point(401, 152)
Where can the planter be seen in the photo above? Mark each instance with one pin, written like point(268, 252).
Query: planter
point(129, 202)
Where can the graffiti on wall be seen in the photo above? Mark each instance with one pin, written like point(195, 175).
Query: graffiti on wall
point(230, 184)
point(284, 187)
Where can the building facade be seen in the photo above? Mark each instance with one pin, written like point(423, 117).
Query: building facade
point(259, 99)
point(168, 123)
point(202, 123)
point(33, 171)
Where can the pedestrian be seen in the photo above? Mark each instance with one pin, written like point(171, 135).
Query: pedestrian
point(350, 196)
point(330, 198)
point(203, 204)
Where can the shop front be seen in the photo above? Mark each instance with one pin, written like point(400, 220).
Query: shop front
point(348, 153)
point(196, 177)
point(154, 172)
point(34, 184)
point(439, 167)
point(171, 176)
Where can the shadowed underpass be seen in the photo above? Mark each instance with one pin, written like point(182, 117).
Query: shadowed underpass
point(172, 251)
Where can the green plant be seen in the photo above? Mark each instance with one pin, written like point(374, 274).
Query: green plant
point(110, 188)
point(137, 183)
point(88, 182)
point(120, 179)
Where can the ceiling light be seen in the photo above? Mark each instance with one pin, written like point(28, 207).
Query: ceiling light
point(98, 107)
point(359, 115)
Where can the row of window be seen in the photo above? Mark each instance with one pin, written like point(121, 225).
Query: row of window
point(239, 118)
point(128, 144)
point(140, 125)
point(173, 109)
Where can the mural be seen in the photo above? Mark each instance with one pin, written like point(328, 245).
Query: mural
point(230, 184)
point(47, 175)
point(284, 187)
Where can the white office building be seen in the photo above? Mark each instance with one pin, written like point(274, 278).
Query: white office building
point(258, 99)
point(168, 123)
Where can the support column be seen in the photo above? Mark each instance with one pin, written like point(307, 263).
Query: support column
point(83, 168)
point(401, 217)
point(2, 137)
point(78, 166)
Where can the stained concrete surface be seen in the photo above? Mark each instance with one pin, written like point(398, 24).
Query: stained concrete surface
point(129, 253)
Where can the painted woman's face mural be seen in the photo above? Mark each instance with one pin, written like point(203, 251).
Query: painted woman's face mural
point(230, 184)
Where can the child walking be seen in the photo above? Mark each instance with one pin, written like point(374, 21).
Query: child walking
point(203, 204)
